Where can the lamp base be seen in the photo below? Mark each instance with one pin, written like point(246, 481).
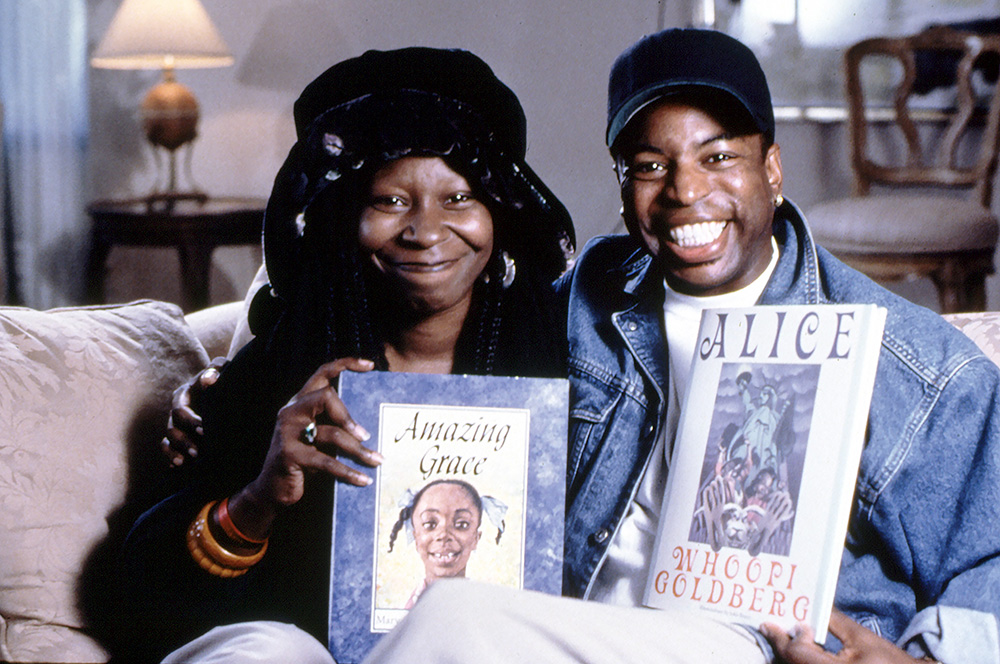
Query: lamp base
point(166, 190)
point(170, 114)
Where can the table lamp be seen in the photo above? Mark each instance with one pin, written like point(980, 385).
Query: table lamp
point(167, 35)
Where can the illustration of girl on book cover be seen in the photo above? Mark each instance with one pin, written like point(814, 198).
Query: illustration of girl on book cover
point(444, 520)
point(450, 501)
point(754, 457)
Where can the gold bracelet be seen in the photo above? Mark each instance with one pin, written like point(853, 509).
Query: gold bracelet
point(211, 547)
point(210, 555)
point(207, 565)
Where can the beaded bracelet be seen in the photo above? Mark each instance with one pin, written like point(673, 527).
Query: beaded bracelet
point(210, 555)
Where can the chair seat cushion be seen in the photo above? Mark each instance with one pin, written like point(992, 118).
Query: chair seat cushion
point(902, 224)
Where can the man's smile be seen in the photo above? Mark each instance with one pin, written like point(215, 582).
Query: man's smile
point(697, 234)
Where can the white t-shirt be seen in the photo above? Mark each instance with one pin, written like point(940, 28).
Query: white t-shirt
point(621, 578)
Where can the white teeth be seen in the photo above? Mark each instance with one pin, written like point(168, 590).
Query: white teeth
point(694, 235)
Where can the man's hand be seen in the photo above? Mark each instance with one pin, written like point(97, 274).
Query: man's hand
point(184, 424)
point(861, 645)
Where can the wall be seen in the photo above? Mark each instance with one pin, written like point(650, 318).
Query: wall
point(554, 54)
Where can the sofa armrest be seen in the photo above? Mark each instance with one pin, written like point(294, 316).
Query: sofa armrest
point(214, 326)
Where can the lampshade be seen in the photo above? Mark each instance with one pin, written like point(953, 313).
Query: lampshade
point(167, 35)
point(155, 34)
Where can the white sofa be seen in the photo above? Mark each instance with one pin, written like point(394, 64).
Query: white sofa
point(84, 396)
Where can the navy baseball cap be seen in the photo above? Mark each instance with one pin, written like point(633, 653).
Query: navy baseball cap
point(680, 58)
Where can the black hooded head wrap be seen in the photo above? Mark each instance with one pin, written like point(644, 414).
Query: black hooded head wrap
point(352, 120)
point(364, 112)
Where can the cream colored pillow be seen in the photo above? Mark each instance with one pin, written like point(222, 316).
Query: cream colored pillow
point(81, 389)
point(983, 327)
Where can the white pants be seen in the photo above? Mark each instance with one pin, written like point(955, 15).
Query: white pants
point(465, 621)
point(261, 641)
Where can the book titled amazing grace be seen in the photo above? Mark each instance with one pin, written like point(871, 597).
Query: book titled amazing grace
point(473, 486)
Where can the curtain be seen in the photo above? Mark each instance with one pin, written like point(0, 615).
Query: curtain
point(43, 88)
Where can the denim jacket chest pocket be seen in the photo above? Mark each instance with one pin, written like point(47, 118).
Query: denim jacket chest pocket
point(608, 411)
point(592, 406)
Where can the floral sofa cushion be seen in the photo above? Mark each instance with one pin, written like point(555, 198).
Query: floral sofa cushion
point(983, 328)
point(84, 395)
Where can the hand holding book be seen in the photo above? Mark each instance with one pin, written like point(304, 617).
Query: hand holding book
point(291, 456)
point(860, 644)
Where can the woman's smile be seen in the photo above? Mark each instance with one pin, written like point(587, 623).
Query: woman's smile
point(420, 266)
point(427, 233)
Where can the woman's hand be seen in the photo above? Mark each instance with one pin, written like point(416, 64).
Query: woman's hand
point(861, 645)
point(184, 424)
point(291, 457)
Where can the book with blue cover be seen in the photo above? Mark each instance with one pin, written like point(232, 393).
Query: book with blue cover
point(473, 485)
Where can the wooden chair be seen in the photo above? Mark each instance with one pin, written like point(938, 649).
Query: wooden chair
point(932, 232)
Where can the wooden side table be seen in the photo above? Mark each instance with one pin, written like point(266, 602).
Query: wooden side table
point(195, 226)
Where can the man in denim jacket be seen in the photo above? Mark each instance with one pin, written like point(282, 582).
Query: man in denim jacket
point(691, 128)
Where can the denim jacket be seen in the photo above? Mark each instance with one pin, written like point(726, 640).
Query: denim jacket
point(925, 524)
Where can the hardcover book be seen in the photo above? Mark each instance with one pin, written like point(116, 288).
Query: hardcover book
point(473, 485)
point(765, 463)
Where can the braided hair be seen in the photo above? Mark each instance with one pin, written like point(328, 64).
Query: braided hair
point(406, 511)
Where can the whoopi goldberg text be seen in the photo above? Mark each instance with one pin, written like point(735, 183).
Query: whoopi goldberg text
point(735, 581)
point(476, 436)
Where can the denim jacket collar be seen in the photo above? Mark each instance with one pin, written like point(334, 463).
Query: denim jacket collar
point(640, 324)
point(796, 278)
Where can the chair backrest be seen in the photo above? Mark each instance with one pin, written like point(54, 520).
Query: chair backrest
point(922, 56)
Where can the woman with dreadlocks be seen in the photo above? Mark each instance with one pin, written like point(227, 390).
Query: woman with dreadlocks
point(405, 232)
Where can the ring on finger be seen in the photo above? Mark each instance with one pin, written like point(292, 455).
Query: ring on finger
point(309, 433)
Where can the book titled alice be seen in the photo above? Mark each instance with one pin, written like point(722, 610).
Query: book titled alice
point(472, 486)
point(765, 463)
